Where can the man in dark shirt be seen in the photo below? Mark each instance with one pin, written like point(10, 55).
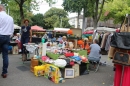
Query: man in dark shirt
point(26, 34)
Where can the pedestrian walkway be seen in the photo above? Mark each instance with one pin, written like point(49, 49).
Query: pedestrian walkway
point(20, 75)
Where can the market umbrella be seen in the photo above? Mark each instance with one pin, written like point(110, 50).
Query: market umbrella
point(37, 28)
point(88, 32)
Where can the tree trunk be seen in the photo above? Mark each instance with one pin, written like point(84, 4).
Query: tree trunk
point(21, 13)
point(95, 24)
point(95, 18)
point(83, 23)
point(78, 20)
point(95, 27)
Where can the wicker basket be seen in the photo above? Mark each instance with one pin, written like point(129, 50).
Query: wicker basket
point(34, 62)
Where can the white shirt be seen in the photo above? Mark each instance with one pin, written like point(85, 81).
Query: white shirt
point(6, 24)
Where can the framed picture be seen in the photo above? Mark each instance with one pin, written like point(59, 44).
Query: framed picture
point(69, 73)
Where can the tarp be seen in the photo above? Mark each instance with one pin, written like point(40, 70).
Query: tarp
point(16, 26)
point(37, 28)
point(102, 29)
point(61, 29)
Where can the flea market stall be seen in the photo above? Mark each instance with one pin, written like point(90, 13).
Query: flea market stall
point(57, 62)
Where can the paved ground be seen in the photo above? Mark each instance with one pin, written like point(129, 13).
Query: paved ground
point(20, 75)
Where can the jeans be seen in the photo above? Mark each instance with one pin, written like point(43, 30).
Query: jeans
point(24, 40)
point(4, 43)
point(93, 58)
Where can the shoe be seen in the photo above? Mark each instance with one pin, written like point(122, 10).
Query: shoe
point(4, 75)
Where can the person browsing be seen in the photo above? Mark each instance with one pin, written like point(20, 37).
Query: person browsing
point(26, 34)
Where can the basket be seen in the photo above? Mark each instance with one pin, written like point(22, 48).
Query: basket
point(34, 62)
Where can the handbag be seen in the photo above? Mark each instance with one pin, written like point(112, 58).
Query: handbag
point(124, 27)
point(121, 40)
point(122, 57)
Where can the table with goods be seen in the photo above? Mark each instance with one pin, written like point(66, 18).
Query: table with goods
point(57, 63)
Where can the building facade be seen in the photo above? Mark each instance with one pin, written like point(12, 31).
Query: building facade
point(89, 22)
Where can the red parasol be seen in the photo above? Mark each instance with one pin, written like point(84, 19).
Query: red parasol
point(88, 32)
point(37, 28)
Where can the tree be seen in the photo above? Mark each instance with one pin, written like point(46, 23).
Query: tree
point(51, 2)
point(73, 6)
point(91, 8)
point(76, 6)
point(95, 9)
point(22, 4)
point(14, 11)
point(56, 17)
point(116, 10)
point(38, 20)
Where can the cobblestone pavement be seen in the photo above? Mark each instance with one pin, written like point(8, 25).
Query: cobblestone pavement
point(20, 75)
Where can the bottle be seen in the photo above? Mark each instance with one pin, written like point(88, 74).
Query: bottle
point(43, 40)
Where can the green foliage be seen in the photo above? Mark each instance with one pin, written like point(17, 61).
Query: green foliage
point(117, 10)
point(38, 20)
point(51, 2)
point(54, 17)
point(73, 5)
point(14, 9)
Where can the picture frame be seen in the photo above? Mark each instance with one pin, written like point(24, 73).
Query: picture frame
point(69, 73)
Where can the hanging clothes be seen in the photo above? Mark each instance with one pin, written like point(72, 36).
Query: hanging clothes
point(107, 46)
point(103, 44)
point(100, 39)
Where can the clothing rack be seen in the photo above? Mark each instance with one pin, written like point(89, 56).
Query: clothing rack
point(123, 66)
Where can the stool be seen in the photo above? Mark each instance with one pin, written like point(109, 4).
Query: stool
point(95, 63)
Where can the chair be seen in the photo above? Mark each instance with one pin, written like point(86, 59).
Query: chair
point(95, 65)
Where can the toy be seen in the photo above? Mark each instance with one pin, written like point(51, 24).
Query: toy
point(52, 73)
point(39, 70)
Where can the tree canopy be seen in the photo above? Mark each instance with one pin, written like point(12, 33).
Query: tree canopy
point(56, 17)
point(116, 10)
point(23, 7)
point(38, 20)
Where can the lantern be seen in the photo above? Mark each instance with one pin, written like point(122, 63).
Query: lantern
point(70, 32)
